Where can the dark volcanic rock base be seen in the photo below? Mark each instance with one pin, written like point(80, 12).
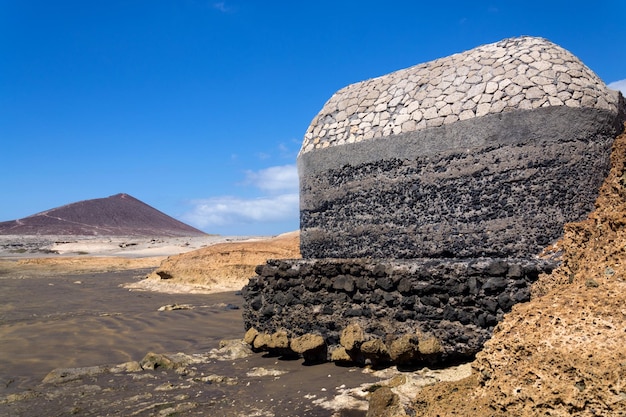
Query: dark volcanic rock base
point(456, 301)
point(498, 186)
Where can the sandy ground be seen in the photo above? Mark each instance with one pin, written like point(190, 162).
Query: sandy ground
point(81, 309)
point(87, 321)
point(21, 247)
point(42, 255)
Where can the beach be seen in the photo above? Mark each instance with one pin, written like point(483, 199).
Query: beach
point(88, 320)
point(81, 323)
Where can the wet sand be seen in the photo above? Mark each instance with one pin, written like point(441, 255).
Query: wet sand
point(67, 321)
point(82, 320)
point(76, 309)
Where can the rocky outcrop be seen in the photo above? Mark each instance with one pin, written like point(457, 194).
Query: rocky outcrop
point(223, 266)
point(426, 195)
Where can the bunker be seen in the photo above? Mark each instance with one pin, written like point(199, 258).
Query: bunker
point(426, 196)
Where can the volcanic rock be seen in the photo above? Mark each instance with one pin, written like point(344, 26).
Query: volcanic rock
point(405, 349)
point(562, 350)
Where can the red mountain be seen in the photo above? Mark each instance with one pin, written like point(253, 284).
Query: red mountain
point(118, 215)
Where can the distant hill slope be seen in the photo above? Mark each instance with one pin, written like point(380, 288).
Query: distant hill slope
point(117, 215)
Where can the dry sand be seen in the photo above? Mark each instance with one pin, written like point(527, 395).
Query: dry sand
point(89, 321)
point(37, 246)
point(224, 266)
point(42, 255)
point(74, 302)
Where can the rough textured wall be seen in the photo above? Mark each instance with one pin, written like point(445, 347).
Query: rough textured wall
point(425, 197)
point(517, 146)
point(515, 74)
point(458, 302)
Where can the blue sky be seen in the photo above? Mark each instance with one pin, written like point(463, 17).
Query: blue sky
point(198, 107)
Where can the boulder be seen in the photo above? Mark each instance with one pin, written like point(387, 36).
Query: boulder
point(153, 361)
point(229, 350)
point(376, 351)
point(340, 355)
point(405, 349)
point(429, 346)
point(312, 347)
point(62, 375)
point(261, 341)
point(352, 337)
point(277, 342)
point(250, 335)
point(385, 403)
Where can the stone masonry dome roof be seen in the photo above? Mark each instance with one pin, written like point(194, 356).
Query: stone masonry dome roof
point(514, 74)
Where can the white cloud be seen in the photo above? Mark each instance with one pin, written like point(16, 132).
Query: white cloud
point(619, 85)
point(229, 210)
point(275, 211)
point(275, 179)
point(221, 6)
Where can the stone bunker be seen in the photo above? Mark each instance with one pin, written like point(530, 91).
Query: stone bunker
point(426, 196)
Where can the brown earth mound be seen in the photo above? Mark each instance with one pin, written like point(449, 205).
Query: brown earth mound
point(562, 353)
point(117, 215)
point(223, 266)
